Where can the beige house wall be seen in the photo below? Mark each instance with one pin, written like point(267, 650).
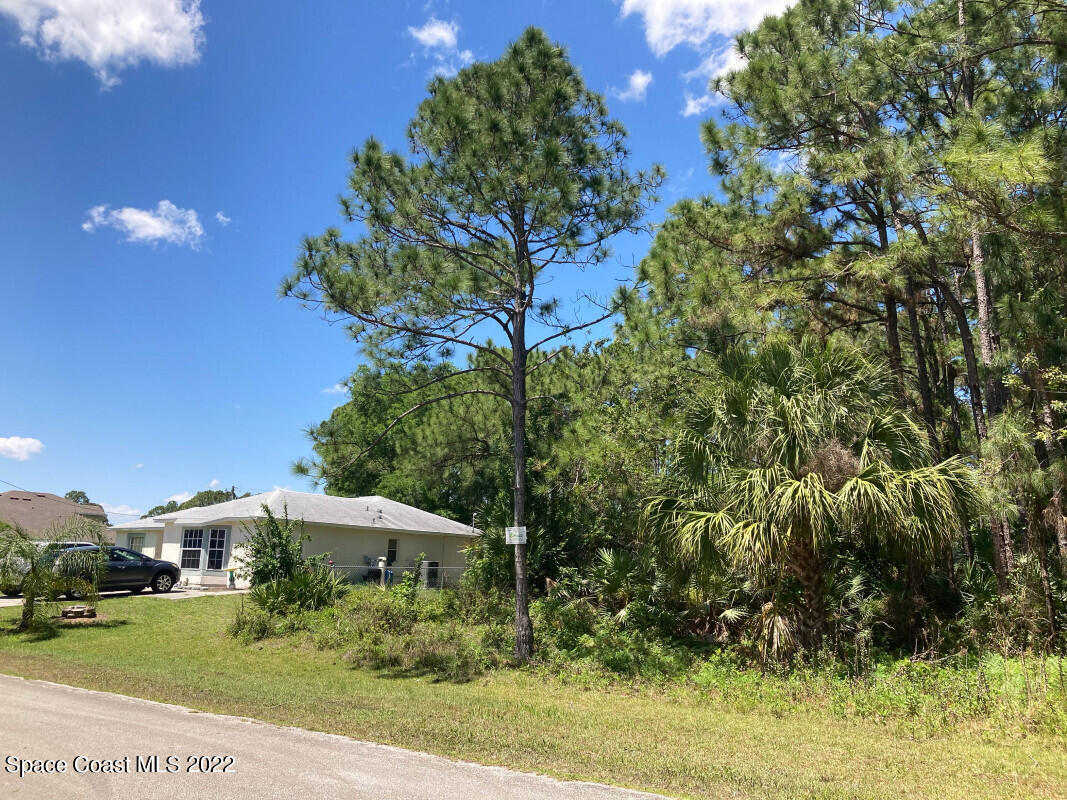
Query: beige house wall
point(153, 541)
point(359, 549)
point(349, 547)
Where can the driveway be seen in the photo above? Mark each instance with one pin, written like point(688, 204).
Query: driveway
point(177, 593)
point(96, 730)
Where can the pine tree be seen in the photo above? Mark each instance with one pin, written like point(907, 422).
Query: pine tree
point(516, 170)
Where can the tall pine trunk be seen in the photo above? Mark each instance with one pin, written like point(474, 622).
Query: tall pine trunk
point(523, 624)
point(1035, 538)
point(892, 337)
point(1003, 549)
point(925, 391)
point(950, 386)
point(988, 337)
point(1046, 422)
point(969, 360)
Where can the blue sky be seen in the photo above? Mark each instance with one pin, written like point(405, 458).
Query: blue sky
point(161, 161)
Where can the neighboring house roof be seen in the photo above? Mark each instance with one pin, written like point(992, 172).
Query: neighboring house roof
point(323, 509)
point(36, 511)
point(139, 525)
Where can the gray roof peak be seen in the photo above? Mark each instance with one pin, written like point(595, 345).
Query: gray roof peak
point(374, 511)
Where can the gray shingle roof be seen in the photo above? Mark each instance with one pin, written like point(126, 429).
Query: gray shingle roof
point(138, 525)
point(36, 511)
point(358, 512)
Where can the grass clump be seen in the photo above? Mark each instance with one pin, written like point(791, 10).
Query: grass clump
point(403, 631)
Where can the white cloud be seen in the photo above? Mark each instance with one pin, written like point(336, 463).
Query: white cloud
point(181, 497)
point(715, 65)
point(165, 223)
point(222, 219)
point(669, 23)
point(337, 388)
point(440, 42)
point(20, 448)
point(698, 105)
point(447, 67)
point(110, 35)
point(436, 33)
point(121, 510)
point(636, 87)
point(718, 63)
point(214, 483)
point(138, 466)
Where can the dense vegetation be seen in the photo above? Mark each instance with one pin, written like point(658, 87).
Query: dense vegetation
point(460, 635)
point(831, 421)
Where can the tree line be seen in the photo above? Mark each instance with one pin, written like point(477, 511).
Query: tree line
point(832, 406)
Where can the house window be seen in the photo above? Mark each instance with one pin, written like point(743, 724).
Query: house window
point(192, 545)
point(137, 542)
point(390, 555)
point(216, 548)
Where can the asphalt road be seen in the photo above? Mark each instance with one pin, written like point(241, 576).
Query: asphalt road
point(85, 729)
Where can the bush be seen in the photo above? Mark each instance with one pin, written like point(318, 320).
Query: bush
point(576, 637)
point(412, 632)
point(310, 588)
point(252, 625)
point(273, 548)
point(449, 652)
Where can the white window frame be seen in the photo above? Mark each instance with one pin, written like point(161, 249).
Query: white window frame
point(205, 548)
point(182, 548)
point(225, 531)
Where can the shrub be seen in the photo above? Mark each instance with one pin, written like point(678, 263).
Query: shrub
point(406, 591)
point(577, 637)
point(310, 588)
point(411, 632)
point(252, 625)
point(449, 652)
point(272, 549)
point(475, 605)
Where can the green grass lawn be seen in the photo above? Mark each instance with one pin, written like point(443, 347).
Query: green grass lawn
point(680, 742)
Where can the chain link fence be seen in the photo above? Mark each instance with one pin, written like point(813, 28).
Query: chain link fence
point(432, 576)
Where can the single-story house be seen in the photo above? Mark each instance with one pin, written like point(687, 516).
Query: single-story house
point(356, 532)
point(36, 512)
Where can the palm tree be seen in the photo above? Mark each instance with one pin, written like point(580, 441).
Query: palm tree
point(43, 571)
point(793, 449)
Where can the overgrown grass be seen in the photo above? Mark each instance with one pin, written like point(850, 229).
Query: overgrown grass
point(719, 733)
point(457, 637)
